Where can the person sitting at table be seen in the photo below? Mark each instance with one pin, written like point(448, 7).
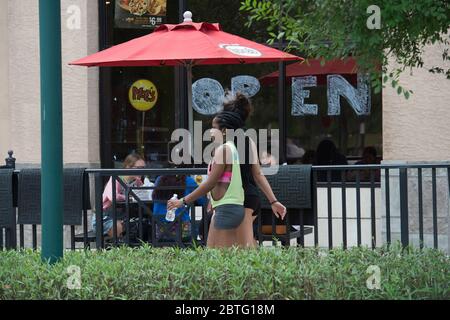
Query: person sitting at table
point(182, 186)
point(369, 157)
point(327, 154)
point(132, 161)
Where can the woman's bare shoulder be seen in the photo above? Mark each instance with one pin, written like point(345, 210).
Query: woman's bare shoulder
point(223, 154)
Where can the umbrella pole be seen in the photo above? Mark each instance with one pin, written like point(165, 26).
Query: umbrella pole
point(190, 110)
point(142, 151)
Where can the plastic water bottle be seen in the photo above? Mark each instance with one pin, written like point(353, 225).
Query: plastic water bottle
point(170, 215)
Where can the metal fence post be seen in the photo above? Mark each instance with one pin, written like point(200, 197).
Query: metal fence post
point(10, 161)
point(99, 212)
point(404, 223)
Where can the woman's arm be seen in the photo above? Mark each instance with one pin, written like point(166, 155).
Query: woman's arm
point(191, 185)
point(279, 210)
point(216, 172)
point(108, 192)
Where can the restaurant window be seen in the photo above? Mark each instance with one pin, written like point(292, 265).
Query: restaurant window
point(231, 20)
point(127, 129)
point(351, 133)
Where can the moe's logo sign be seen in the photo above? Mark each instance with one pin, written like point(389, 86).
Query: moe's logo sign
point(143, 95)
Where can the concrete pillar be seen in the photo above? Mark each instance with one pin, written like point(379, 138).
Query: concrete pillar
point(24, 93)
point(80, 85)
point(417, 131)
point(5, 138)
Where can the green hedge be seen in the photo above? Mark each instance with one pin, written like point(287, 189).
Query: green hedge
point(265, 273)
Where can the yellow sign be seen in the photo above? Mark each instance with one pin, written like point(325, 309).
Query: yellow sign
point(143, 95)
point(199, 179)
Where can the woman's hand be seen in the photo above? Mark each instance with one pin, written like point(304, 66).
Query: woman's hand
point(174, 204)
point(209, 206)
point(279, 210)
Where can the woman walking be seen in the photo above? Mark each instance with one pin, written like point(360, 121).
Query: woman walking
point(224, 184)
point(252, 176)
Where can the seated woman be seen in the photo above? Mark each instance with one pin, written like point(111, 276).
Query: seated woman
point(327, 154)
point(132, 161)
point(369, 157)
point(182, 186)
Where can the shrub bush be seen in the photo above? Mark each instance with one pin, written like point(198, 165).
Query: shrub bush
point(264, 273)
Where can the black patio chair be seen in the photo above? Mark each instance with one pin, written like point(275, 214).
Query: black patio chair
point(292, 187)
point(76, 201)
point(8, 205)
point(165, 236)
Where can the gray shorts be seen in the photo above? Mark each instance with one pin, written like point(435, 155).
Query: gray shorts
point(228, 216)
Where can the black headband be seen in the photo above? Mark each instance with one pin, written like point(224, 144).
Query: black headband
point(230, 120)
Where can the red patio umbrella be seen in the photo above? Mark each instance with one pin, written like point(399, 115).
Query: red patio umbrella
point(186, 44)
point(313, 67)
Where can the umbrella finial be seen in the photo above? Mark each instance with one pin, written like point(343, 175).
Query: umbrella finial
point(187, 16)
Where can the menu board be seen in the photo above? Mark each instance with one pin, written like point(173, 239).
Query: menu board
point(140, 14)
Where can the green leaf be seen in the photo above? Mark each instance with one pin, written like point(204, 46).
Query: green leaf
point(281, 35)
point(394, 83)
point(407, 94)
point(377, 89)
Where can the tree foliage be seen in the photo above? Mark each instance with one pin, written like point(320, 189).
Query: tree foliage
point(340, 28)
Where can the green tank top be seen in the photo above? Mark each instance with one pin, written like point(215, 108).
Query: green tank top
point(235, 191)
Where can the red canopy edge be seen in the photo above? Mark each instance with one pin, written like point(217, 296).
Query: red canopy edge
point(313, 67)
point(190, 25)
point(187, 43)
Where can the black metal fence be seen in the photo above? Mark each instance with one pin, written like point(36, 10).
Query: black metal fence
point(142, 210)
point(383, 203)
point(406, 199)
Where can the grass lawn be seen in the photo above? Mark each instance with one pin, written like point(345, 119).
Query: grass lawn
point(264, 273)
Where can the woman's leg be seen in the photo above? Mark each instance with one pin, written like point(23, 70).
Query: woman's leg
point(244, 233)
point(220, 238)
point(255, 242)
point(119, 230)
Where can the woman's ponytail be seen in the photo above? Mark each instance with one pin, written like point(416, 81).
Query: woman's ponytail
point(239, 104)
